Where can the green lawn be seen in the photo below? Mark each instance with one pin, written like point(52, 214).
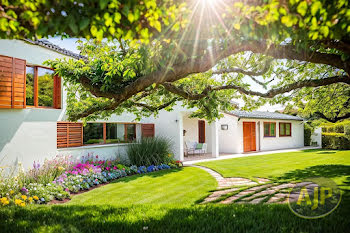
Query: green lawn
point(184, 186)
point(287, 166)
point(165, 201)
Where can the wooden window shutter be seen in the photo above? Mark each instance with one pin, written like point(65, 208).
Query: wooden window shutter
point(57, 92)
point(12, 82)
point(69, 134)
point(147, 130)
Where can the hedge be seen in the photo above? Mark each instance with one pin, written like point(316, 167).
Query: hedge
point(335, 141)
point(307, 134)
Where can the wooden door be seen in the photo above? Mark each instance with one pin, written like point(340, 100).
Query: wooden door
point(201, 131)
point(249, 136)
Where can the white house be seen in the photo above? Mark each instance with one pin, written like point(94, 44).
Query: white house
point(33, 123)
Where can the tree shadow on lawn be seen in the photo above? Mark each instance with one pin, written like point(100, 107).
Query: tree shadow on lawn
point(327, 171)
point(169, 218)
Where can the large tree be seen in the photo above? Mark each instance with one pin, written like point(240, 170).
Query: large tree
point(201, 52)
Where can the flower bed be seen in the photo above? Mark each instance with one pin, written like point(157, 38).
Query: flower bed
point(68, 178)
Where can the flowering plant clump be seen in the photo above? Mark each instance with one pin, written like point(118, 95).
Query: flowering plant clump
point(63, 176)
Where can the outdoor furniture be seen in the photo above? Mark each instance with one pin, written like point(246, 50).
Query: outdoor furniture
point(195, 148)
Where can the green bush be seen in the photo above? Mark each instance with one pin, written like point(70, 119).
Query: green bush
point(150, 151)
point(347, 130)
point(324, 129)
point(330, 129)
point(335, 141)
point(339, 128)
point(307, 134)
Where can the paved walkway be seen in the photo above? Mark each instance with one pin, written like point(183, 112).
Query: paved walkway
point(206, 159)
point(242, 190)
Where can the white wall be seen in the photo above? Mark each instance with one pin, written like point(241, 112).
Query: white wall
point(111, 151)
point(317, 136)
point(231, 140)
point(28, 134)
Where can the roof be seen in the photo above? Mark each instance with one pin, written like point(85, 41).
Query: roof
point(265, 115)
point(48, 45)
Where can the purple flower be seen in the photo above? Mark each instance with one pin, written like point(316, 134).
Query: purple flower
point(24, 190)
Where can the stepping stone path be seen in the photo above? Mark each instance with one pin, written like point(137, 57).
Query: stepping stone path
point(255, 193)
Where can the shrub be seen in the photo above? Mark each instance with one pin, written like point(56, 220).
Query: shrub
point(339, 128)
point(347, 130)
point(335, 141)
point(324, 130)
point(330, 129)
point(150, 151)
point(307, 134)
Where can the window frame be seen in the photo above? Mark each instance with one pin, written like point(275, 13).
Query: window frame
point(57, 89)
point(269, 135)
point(290, 131)
point(105, 133)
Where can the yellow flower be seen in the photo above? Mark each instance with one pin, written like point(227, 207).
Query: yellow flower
point(35, 198)
point(6, 202)
point(24, 197)
point(18, 201)
point(23, 204)
point(60, 168)
point(12, 192)
point(30, 199)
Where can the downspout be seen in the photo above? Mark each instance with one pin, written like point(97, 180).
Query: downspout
point(259, 135)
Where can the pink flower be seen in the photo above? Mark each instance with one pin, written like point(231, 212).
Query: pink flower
point(96, 156)
point(115, 168)
point(67, 190)
point(107, 168)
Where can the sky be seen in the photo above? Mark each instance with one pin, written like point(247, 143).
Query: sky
point(70, 44)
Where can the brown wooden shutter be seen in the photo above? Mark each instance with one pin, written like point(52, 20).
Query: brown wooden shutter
point(147, 130)
point(57, 92)
point(12, 82)
point(69, 134)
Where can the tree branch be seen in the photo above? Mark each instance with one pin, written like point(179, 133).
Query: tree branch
point(245, 72)
point(333, 120)
point(270, 94)
point(159, 107)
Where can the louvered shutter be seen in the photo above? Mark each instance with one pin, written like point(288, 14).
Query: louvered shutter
point(69, 134)
point(147, 130)
point(12, 82)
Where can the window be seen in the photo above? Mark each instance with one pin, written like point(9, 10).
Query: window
point(30, 86)
point(104, 133)
point(285, 129)
point(43, 87)
point(115, 133)
point(269, 129)
point(130, 131)
point(93, 133)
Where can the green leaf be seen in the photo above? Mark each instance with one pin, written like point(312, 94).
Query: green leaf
point(131, 17)
point(103, 4)
point(302, 8)
point(74, 27)
point(84, 23)
point(315, 7)
point(117, 17)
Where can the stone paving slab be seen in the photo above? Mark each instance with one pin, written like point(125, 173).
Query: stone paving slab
point(258, 193)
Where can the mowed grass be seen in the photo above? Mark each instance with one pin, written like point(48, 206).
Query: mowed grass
point(167, 218)
point(178, 186)
point(293, 165)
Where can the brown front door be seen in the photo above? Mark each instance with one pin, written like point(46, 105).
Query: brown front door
point(249, 139)
point(201, 131)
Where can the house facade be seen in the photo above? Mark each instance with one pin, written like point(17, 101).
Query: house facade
point(34, 126)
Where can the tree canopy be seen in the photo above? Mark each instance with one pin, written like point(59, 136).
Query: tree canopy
point(200, 52)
